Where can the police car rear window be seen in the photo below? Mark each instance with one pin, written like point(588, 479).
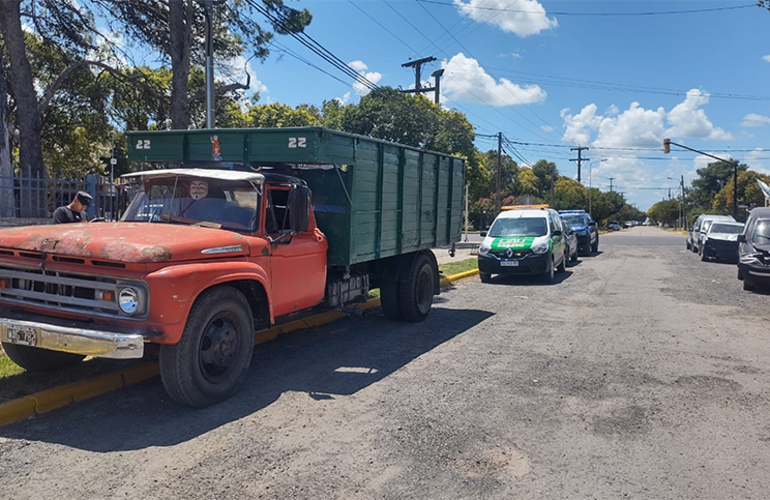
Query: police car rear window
point(525, 226)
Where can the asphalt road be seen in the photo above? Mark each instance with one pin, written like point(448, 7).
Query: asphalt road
point(642, 373)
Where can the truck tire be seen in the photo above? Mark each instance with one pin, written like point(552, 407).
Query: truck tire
point(34, 359)
point(389, 299)
point(211, 359)
point(416, 293)
point(485, 277)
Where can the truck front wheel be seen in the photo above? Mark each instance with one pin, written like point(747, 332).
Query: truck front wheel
point(416, 293)
point(212, 357)
point(34, 359)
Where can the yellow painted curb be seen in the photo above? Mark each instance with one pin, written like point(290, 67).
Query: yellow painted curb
point(459, 276)
point(58, 397)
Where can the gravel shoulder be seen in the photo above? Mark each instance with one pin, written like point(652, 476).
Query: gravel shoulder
point(639, 374)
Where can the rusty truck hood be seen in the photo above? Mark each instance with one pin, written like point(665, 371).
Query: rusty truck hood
point(127, 241)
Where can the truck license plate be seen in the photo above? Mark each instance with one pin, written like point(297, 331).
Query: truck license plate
point(22, 335)
point(509, 263)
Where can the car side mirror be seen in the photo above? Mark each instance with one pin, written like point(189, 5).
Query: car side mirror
point(483, 234)
point(592, 223)
point(556, 232)
point(741, 238)
point(299, 212)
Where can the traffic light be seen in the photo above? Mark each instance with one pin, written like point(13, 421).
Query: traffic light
point(666, 146)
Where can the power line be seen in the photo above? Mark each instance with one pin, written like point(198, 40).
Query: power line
point(382, 26)
point(602, 14)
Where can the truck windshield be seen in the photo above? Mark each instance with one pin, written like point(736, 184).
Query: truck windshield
point(529, 226)
point(576, 220)
point(204, 202)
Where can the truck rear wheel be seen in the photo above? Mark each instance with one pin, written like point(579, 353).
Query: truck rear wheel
point(416, 293)
point(212, 357)
point(389, 299)
point(34, 359)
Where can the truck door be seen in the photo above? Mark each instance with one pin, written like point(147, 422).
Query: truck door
point(298, 263)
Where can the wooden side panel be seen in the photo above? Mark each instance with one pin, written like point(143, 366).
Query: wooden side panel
point(428, 199)
point(365, 202)
point(409, 233)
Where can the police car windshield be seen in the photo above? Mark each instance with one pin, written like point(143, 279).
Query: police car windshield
point(576, 220)
point(524, 226)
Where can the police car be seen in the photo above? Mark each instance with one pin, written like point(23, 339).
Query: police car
point(525, 239)
point(585, 229)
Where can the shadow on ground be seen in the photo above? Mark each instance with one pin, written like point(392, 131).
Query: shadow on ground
point(524, 280)
point(339, 359)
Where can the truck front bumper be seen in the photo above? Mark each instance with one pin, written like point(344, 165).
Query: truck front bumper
point(70, 336)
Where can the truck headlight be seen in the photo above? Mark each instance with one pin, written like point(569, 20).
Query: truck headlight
point(128, 300)
point(540, 248)
point(483, 250)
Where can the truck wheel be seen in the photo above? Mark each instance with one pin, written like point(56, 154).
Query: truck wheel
point(212, 357)
point(416, 293)
point(390, 300)
point(34, 359)
point(485, 277)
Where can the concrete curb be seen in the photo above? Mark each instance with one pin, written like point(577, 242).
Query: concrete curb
point(58, 397)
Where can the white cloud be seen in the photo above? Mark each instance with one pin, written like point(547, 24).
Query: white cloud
point(344, 99)
point(358, 65)
point(517, 54)
point(702, 161)
point(755, 120)
point(766, 58)
point(612, 110)
point(522, 17)
point(578, 127)
point(687, 119)
point(465, 80)
point(373, 76)
point(547, 128)
point(755, 161)
point(640, 127)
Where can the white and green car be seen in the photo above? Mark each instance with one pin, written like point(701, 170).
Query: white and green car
point(523, 241)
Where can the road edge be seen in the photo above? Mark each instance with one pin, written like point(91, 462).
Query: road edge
point(59, 397)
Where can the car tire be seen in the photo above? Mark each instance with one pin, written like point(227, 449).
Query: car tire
point(595, 246)
point(548, 276)
point(35, 359)
point(563, 266)
point(574, 258)
point(210, 361)
point(748, 285)
point(740, 275)
point(703, 255)
point(688, 245)
point(485, 277)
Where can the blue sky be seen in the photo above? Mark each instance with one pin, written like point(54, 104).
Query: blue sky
point(617, 84)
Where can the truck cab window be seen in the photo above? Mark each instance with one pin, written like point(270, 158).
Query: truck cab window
point(277, 217)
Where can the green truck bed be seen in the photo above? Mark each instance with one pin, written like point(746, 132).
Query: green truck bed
point(373, 199)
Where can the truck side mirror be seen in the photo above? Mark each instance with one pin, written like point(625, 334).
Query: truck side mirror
point(299, 211)
point(741, 238)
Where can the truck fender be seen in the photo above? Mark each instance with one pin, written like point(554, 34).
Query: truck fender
point(193, 279)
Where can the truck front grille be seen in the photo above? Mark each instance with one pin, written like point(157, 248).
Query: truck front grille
point(55, 289)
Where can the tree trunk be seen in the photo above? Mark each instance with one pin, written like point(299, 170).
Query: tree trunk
point(180, 17)
point(6, 167)
point(30, 124)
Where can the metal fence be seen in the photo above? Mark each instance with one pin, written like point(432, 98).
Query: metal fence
point(37, 198)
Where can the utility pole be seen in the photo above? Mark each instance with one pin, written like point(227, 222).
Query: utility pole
point(552, 198)
point(684, 211)
point(208, 11)
point(611, 179)
point(466, 213)
point(667, 143)
point(418, 88)
point(579, 159)
point(669, 193)
point(499, 170)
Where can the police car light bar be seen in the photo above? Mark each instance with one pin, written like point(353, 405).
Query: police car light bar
point(521, 207)
point(572, 211)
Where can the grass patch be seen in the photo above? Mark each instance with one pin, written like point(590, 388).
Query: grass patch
point(461, 266)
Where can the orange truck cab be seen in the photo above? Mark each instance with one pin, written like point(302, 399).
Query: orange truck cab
point(271, 223)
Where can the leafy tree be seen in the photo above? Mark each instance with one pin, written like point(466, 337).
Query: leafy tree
point(710, 180)
point(748, 192)
point(529, 182)
point(545, 171)
point(570, 194)
point(664, 212)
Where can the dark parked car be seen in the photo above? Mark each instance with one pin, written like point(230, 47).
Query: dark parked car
point(613, 226)
point(571, 240)
point(584, 228)
point(721, 241)
point(754, 250)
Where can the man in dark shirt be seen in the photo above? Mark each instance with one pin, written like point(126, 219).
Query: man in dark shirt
point(75, 211)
